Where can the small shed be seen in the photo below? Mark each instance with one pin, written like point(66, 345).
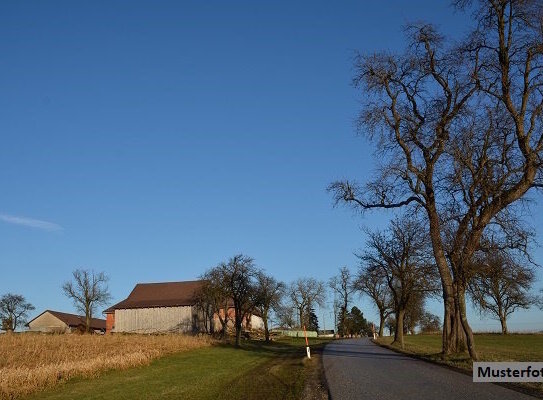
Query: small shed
point(59, 322)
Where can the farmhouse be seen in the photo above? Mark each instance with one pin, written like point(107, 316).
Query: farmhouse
point(165, 307)
point(60, 322)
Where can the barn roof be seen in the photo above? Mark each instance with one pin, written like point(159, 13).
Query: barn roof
point(164, 294)
point(73, 320)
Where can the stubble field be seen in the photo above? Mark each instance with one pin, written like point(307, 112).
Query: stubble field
point(32, 362)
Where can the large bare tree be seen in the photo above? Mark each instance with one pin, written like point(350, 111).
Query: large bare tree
point(461, 131)
point(87, 289)
point(13, 311)
point(239, 275)
point(402, 256)
point(305, 293)
point(372, 283)
point(343, 286)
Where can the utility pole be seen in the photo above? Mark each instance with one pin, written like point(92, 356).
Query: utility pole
point(335, 306)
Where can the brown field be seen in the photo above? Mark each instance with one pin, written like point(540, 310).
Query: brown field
point(31, 362)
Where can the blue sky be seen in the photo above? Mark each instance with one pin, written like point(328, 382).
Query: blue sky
point(152, 141)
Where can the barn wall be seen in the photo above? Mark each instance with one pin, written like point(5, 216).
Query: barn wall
point(47, 323)
point(157, 319)
point(110, 321)
point(257, 322)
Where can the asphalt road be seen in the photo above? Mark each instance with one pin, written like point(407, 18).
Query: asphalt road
point(359, 369)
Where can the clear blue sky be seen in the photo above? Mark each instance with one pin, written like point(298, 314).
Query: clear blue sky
point(152, 140)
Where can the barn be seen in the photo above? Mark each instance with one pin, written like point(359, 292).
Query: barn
point(165, 307)
point(59, 322)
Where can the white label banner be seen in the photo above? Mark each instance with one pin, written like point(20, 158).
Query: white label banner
point(508, 372)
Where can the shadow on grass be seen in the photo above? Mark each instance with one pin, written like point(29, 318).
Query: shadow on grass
point(282, 347)
point(283, 375)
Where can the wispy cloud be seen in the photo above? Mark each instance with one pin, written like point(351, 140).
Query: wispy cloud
point(30, 222)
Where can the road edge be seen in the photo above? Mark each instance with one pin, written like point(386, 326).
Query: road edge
point(516, 387)
point(316, 385)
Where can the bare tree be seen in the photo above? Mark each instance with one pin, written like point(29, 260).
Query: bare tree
point(268, 295)
point(501, 286)
point(335, 310)
point(87, 290)
point(429, 323)
point(214, 299)
point(461, 128)
point(390, 324)
point(401, 255)
point(13, 311)
point(285, 315)
point(372, 283)
point(239, 275)
point(414, 312)
point(304, 294)
point(343, 285)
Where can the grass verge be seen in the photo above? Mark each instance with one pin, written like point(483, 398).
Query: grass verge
point(490, 347)
point(255, 371)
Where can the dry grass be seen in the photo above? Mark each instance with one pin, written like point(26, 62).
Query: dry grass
point(31, 362)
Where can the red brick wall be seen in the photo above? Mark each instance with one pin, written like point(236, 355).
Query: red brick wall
point(110, 321)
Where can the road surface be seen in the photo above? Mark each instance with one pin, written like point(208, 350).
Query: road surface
point(359, 369)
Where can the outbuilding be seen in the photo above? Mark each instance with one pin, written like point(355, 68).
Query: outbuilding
point(60, 322)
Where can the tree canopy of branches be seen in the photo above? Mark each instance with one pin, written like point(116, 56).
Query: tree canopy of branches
point(501, 285)
point(13, 311)
point(268, 295)
point(305, 293)
point(461, 129)
point(285, 315)
point(343, 285)
point(372, 282)
point(87, 290)
point(390, 324)
point(414, 312)
point(238, 276)
point(213, 300)
point(402, 256)
point(429, 323)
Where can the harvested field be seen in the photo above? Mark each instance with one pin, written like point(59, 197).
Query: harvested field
point(31, 362)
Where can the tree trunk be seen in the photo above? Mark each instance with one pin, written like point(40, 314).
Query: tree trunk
point(87, 323)
point(503, 321)
point(223, 322)
point(266, 331)
point(470, 341)
point(381, 324)
point(342, 322)
point(453, 337)
point(398, 331)
point(238, 331)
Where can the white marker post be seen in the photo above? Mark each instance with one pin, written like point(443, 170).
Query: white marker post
point(373, 330)
point(307, 344)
